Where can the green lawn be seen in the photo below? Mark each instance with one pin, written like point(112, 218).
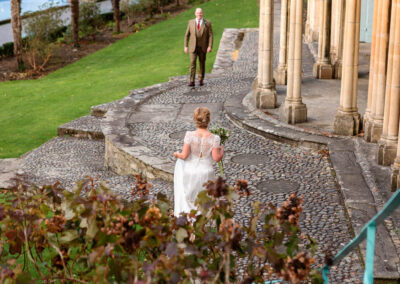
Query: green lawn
point(31, 111)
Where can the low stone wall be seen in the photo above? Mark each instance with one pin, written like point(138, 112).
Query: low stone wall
point(124, 163)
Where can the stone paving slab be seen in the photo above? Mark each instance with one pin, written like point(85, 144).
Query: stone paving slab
point(84, 127)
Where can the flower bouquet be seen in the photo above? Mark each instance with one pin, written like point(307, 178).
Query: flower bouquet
point(224, 135)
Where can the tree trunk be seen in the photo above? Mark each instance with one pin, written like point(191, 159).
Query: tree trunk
point(17, 30)
point(177, 3)
point(116, 15)
point(75, 21)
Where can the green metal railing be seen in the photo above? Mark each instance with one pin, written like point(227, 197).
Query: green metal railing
point(367, 232)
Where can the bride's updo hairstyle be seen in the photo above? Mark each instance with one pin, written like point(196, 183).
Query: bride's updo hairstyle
point(201, 117)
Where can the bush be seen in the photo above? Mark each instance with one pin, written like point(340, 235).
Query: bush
point(89, 18)
point(7, 49)
point(131, 9)
point(91, 236)
point(42, 30)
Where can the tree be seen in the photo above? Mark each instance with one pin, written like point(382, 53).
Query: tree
point(116, 15)
point(17, 31)
point(75, 21)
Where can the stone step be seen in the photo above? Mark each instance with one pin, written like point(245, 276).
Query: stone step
point(87, 127)
point(100, 110)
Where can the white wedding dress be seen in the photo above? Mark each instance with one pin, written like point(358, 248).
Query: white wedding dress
point(192, 173)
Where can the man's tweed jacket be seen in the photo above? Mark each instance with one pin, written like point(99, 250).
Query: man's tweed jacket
point(202, 38)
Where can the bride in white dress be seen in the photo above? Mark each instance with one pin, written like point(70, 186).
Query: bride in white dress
point(194, 166)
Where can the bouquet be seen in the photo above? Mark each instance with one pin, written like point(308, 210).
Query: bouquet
point(224, 135)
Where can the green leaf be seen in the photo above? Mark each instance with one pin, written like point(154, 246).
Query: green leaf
point(68, 236)
point(69, 212)
point(92, 229)
point(24, 278)
point(84, 223)
point(181, 234)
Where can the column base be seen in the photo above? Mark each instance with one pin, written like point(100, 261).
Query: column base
point(254, 85)
point(367, 126)
point(337, 72)
point(376, 131)
point(266, 98)
point(280, 76)
point(293, 112)
point(386, 152)
point(346, 123)
point(395, 178)
point(323, 70)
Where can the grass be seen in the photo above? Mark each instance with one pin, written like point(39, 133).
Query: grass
point(31, 110)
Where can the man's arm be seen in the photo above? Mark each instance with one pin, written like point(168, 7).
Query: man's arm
point(210, 38)
point(187, 35)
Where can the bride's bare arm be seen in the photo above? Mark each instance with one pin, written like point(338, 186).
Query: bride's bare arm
point(185, 152)
point(217, 153)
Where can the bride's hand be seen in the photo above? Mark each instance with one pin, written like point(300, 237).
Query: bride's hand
point(176, 154)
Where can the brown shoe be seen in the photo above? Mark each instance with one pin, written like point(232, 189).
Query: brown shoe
point(191, 84)
point(201, 83)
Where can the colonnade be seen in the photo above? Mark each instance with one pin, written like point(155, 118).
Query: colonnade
point(335, 25)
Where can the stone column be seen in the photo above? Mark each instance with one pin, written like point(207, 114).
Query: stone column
point(337, 37)
point(347, 119)
point(388, 141)
point(372, 67)
point(309, 22)
point(396, 170)
point(260, 44)
point(323, 68)
point(266, 93)
point(378, 96)
point(293, 110)
point(280, 74)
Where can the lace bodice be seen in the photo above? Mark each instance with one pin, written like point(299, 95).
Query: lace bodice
point(201, 147)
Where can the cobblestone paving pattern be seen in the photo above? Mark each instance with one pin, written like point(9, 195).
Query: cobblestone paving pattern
point(69, 160)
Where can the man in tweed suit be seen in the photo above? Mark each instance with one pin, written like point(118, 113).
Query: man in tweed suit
point(200, 37)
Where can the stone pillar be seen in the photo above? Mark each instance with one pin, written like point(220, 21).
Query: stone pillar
point(337, 37)
point(347, 119)
point(388, 141)
point(372, 67)
point(294, 110)
point(323, 68)
point(378, 96)
point(260, 44)
point(310, 20)
point(280, 74)
point(396, 170)
point(266, 93)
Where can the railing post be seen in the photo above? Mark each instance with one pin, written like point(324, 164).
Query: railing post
point(369, 261)
point(325, 273)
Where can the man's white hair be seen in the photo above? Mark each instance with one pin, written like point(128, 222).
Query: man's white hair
point(197, 9)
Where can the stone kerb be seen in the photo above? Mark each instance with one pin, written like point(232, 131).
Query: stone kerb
point(123, 154)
